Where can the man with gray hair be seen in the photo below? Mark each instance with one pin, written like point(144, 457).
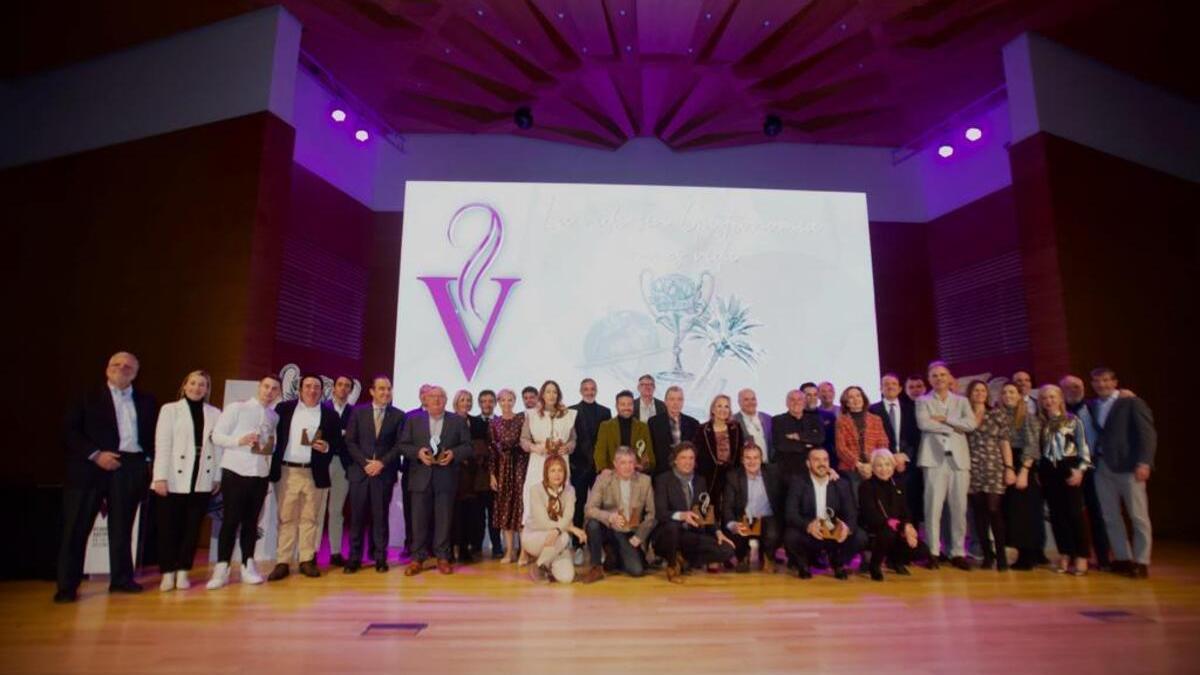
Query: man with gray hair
point(620, 517)
point(670, 428)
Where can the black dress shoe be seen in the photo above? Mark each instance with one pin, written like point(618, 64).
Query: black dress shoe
point(497, 553)
point(959, 562)
point(902, 570)
point(281, 571)
point(743, 566)
point(934, 564)
point(65, 597)
point(803, 572)
point(876, 575)
point(1140, 571)
point(1021, 566)
point(127, 587)
point(381, 566)
point(352, 566)
point(840, 574)
point(1121, 567)
point(336, 560)
point(309, 569)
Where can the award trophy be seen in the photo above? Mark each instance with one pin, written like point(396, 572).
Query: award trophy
point(434, 447)
point(264, 443)
point(828, 523)
point(704, 509)
point(633, 519)
point(641, 450)
point(753, 526)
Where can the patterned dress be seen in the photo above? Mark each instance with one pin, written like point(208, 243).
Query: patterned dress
point(508, 465)
point(987, 460)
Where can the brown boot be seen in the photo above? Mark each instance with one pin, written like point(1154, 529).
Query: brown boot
point(596, 573)
point(413, 569)
point(444, 566)
point(280, 572)
point(674, 575)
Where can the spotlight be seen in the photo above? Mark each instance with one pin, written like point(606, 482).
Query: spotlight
point(523, 118)
point(361, 135)
point(946, 150)
point(772, 126)
point(338, 115)
point(973, 134)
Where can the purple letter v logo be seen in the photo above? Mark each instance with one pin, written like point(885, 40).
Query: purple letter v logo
point(469, 355)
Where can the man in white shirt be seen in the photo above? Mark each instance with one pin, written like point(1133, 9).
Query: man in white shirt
point(246, 432)
point(307, 434)
point(1024, 382)
point(945, 419)
point(339, 485)
point(821, 516)
point(645, 405)
point(756, 425)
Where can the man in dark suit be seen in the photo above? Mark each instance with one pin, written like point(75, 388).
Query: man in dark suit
point(405, 491)
point(645, 405)
point(681, 535)
point(795, 433)
point(373, 445)
point(434, 442)
point(339, 486)
point(307, 438)
point(827, 416)
point(670, 428)
point(899, 415)
point(809, 497)
point(109, 434)
point(588, 416)
point(1124, 456)
point(756, 490)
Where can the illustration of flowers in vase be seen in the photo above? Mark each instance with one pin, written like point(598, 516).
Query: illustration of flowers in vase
point(679, 304)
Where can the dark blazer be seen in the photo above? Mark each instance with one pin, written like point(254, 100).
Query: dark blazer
point(789, 453)
point(362, 444)
point(737, 489)
point(880, 500)
point(344, 419)
point(660, 437)
point(829, 424)
point(1128, 437)
point(91, 425)
point(660, 408)
point(669, 497)
point(587, 427)
point(801, 507)
point(910, 435)
point(706, 450)
point(456, 436)
point(331, 431)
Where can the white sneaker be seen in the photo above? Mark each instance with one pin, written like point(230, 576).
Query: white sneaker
point(168, 582)
point(250, 573)
point(220, 577)
point(181, 580)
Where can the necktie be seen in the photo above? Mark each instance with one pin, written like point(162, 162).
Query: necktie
point(378, 421)
point(895, 419)
point(687, 492)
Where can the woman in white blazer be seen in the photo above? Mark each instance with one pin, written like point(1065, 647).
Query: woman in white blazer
point(186, 464)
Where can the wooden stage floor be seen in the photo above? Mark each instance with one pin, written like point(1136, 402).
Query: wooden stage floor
point(491, 618)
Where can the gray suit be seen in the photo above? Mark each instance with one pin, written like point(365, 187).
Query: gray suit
point(765, 420)
point(1126, 439)
point(433, 487)
point(945, 459)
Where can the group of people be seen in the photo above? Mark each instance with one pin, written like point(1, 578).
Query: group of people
point(651, 487)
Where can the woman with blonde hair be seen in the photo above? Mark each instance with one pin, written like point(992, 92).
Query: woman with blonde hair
point(1058, 451)
point(507, 466)
point(185, 476)
point(719, 444)
point(548, 529)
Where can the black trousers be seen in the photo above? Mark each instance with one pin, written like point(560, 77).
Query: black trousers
point(768, 542)
point(912, 481)
point(433, 520)
point(804, 549)
point(406, 500)
point(488, 501)
point(241, 502)
point(468, 525)
point(886, 543)
point(698, 547)
point(370, 498)
point(988, 512)
point(581, 479)
point(122, 490)
point(1066, 509)
point(179, 517)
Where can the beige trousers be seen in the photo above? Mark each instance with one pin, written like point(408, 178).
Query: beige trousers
point(299, 506)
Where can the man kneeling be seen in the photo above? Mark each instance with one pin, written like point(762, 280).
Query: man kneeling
point(753, 497)
point(685, 533)
point(620, 516)
point(821, 516)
